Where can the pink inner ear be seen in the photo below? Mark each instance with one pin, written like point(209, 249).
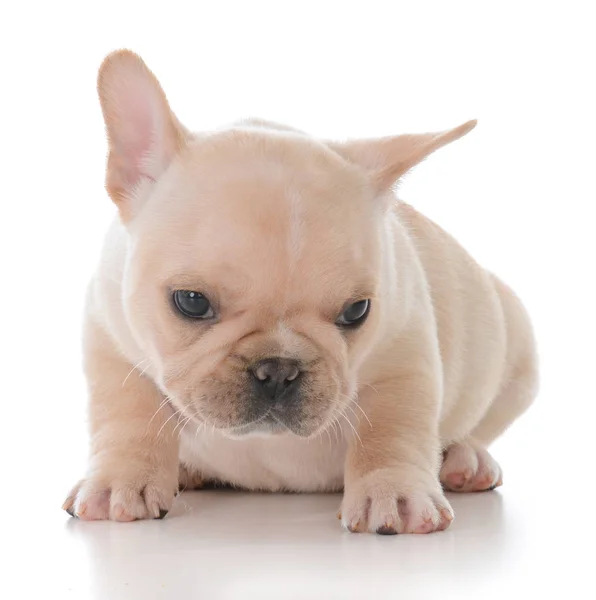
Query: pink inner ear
point(133, 133)
point(143, 134)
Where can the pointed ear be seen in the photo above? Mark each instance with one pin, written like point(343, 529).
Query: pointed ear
point(143, 133)
point(387, 159)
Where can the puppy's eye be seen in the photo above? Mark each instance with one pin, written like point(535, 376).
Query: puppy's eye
point(355, 314)
point(193, 304)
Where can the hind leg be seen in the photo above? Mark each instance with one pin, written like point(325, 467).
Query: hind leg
point(467, 465)
point(512, 402)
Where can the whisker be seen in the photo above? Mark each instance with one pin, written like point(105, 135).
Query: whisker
point(372, 387)
point(145, 369)
point(326, 430)
point(176, 413)
point(353, 412)
point(338, 428)
point(162, 405)
point(183, 426)
point(354, 403)
point(180, 421)
point(353, 429)
point(202, 425)
point(332, 425)
point(134, 368)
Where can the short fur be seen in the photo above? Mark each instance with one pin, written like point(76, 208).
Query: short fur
point(281, 232)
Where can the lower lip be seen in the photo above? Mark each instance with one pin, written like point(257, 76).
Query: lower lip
point(266, 424)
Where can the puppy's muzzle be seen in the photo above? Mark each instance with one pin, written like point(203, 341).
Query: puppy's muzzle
point(276, 381)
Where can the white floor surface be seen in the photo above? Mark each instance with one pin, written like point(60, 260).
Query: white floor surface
point(529, 539)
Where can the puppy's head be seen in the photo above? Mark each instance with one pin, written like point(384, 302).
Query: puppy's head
point(258, 256)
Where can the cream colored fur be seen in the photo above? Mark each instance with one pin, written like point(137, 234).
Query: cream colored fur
point(280, 230)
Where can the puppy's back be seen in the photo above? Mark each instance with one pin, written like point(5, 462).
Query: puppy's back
point(483, 329)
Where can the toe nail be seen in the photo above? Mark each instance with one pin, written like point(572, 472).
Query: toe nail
point(162, 514)
point(354, 528)
point(447, 516)
point(70, 511)
point(386, 530)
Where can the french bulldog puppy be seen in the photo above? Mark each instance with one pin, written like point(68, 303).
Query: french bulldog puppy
point(266, 313)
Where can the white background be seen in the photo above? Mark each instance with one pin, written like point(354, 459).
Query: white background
point(518, 192)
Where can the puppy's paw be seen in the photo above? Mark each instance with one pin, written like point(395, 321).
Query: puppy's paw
point(124, 495)
point(189, 479)
point(470, 468)
point(390, 501)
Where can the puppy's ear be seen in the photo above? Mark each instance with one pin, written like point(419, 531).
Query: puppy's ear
point(387, 159)
point(143, 133)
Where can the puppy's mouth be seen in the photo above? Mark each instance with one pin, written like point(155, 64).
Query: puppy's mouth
point(266, 424)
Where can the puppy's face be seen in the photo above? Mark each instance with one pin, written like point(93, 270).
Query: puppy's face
point(256, 256)
point(252, 281)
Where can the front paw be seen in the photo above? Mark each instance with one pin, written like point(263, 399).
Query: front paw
point(390, 501)
point(123, 492)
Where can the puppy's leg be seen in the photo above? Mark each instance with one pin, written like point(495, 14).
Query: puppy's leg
point(391, 478)
point(133, 469)
point(468, 466)
point(513, 400)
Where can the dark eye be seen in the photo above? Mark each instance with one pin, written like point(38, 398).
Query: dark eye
point(193, 304)
point(354, 314)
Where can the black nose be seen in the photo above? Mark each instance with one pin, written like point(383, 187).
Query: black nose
point(276, 377)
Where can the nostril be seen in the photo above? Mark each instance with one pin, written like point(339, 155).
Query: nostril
point(274, 376)
point(292, 373)
point(263, 372)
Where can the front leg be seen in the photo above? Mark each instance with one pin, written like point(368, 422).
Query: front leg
point(391, 475)
point(133, 469)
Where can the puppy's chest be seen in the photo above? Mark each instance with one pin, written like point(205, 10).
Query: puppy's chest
point(273, 464)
